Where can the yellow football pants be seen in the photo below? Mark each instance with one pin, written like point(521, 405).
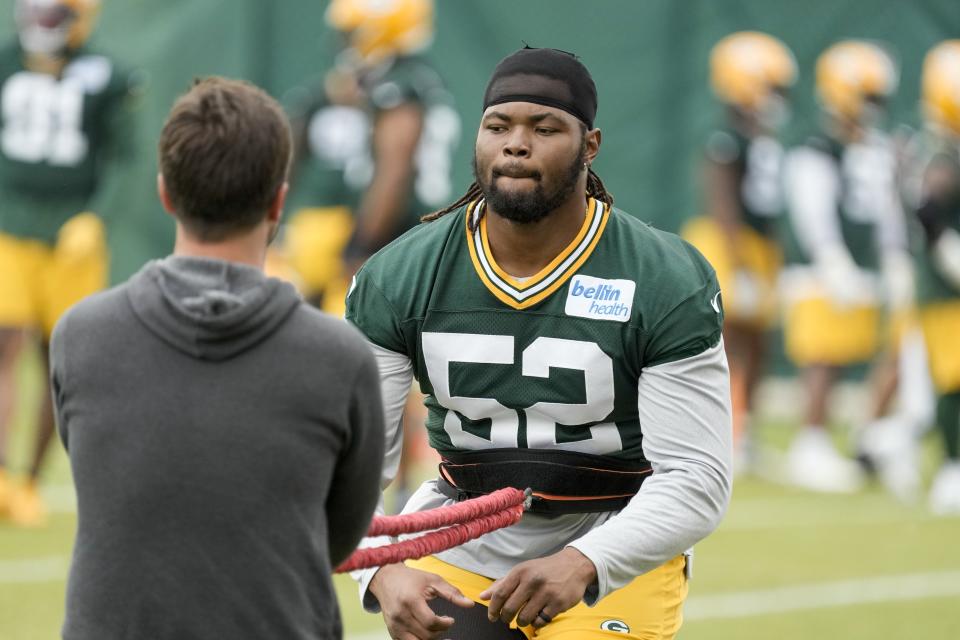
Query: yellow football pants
point(649, 608)
point(941, 332)
point(38, 283)
point(816, 331)
point(747, 276)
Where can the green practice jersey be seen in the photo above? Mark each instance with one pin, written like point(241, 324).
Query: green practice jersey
point(863, 183)
point(757, 163)
point(932, 286)
point(549, 362)
point(55, 138)
point(337, 165)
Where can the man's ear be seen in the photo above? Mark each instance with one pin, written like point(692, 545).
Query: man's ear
point(164, 195)
point(592, 139)
point(276, 207)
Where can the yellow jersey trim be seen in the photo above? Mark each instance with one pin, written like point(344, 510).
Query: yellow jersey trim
point(521, 295)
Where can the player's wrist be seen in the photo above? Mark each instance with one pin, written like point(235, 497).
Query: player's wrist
point(584, 568)
point(382, 577)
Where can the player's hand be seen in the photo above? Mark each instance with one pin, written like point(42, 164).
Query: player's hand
point(537, 591)
point(841, 278)
point(403, 594)
point(81, 238)
point(375, 231)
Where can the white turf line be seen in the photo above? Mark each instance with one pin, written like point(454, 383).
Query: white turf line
point(60, 498)
point(745, 604)
point(737, 604)
point(34, 570)
point(843, 593)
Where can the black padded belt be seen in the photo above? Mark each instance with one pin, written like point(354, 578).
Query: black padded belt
point(562, 481)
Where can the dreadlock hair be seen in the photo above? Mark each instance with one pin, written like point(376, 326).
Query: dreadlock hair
point(595, 189)
point(473, 192)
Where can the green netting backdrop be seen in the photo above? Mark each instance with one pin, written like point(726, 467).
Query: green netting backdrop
point(649, 59)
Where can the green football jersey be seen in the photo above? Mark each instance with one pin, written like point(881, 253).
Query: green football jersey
point(57, 134)
point(334, 161)
point(931, 285)
point(865, 174)
point(337, 164)
point(550, 362)
point(758, 164)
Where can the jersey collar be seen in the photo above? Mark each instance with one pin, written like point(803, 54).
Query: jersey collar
point(536, 288)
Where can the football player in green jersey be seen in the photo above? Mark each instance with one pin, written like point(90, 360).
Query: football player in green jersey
point(750, 73)
point(563, 346)
point(845, 243)
point(65, 115)
point(375, 148)
point(375, 144)
point(938, 272)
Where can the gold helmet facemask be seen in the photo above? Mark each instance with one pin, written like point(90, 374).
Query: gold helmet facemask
point(854, 80)
point(51, 27)
point(379, 29)
point(940, 89)
point(752, 71)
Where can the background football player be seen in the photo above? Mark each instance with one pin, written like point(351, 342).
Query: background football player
point(375, 143)
point(66, 113)
point(750, 73)
point(375, 148)
point(938, 272)
point(845, 240)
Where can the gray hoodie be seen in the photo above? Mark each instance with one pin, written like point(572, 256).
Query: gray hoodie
point(226, 441)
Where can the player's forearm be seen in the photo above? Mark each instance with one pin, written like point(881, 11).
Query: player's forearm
point(685, 407)
point(897, 272)
point(722, 203)
point(386, 200)
point(811, 190)
point(673, 511)
point(383, 205)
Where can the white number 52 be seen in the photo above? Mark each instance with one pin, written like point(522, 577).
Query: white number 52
point(440, 349)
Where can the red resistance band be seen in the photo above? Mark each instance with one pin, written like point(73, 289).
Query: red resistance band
point(449, 527)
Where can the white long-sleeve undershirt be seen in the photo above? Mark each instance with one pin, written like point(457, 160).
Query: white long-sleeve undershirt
point(684, 409)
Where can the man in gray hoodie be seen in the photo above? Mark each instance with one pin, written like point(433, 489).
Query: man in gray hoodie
point(225, 438)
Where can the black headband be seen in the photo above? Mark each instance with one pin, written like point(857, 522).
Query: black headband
point(549, 77)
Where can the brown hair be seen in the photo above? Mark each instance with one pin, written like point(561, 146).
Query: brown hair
point(224, 154)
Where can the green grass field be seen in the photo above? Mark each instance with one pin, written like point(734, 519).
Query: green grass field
point(785, 565)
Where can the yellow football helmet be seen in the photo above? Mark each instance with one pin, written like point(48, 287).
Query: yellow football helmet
point(54, 26)
point(747, 67)
point(851, 73)
point(378, 29)
point(940, 93)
